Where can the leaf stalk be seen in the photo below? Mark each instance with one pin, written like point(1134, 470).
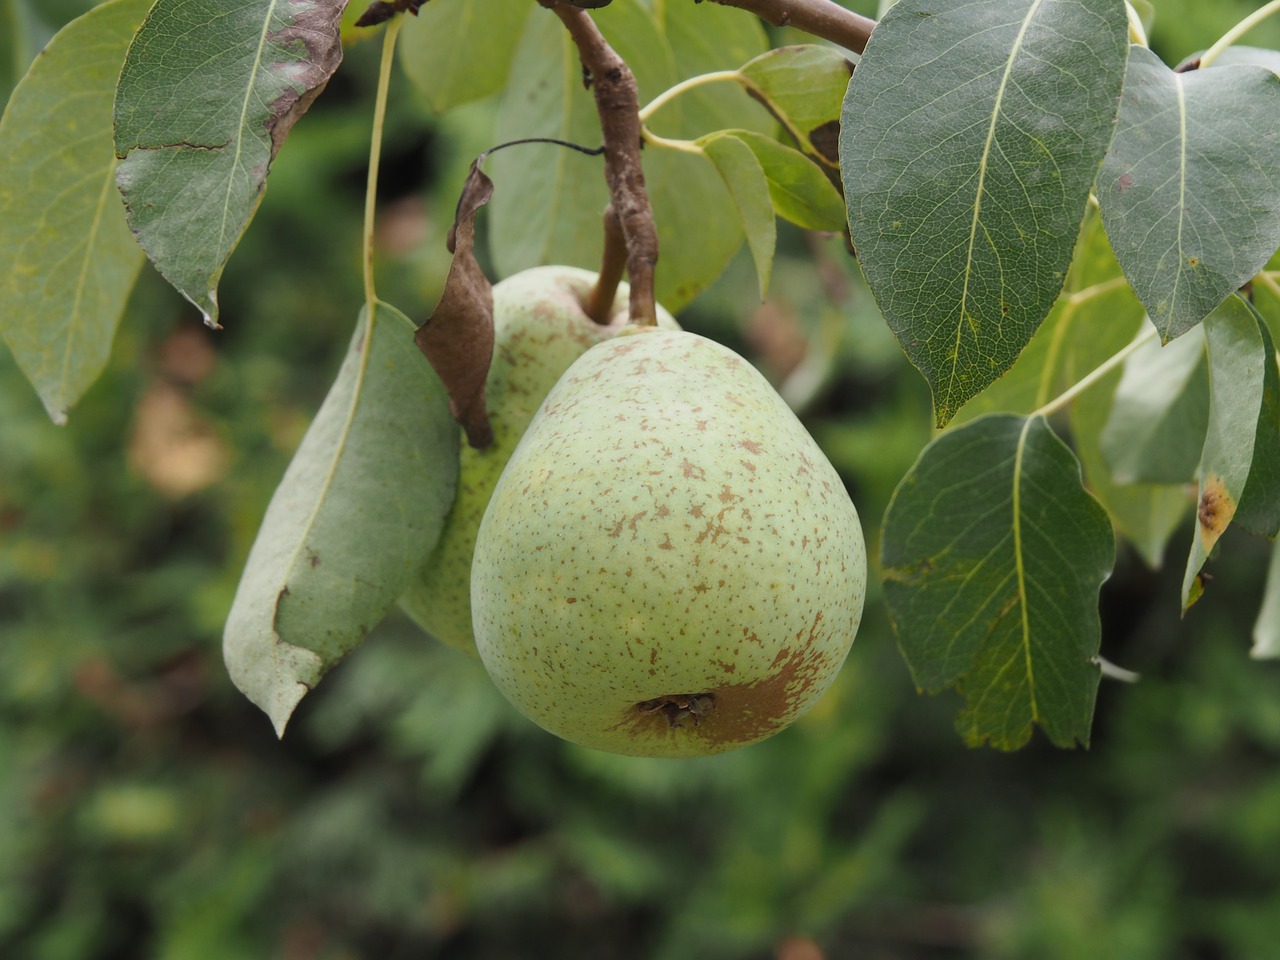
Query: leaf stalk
point(1238, 31)
point(1091, 378)
point(375, 158)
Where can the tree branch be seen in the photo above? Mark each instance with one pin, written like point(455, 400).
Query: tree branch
point(822, 18)
point(618, 105)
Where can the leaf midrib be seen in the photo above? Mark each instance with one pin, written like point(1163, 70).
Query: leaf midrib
point(1020, 568)
point(244, 114)
point(982, 177)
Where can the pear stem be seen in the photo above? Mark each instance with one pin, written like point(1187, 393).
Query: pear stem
point(618, 105)
point(599, 303)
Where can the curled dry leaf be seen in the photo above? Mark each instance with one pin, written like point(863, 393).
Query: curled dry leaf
point(457, 339)
point(383, 10)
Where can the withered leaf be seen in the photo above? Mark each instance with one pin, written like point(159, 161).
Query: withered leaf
point(457, 338)
point(383, 10)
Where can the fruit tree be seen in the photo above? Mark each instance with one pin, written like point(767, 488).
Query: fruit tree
point(1073, 242)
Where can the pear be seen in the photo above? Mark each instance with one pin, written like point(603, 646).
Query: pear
point(668, 566)
point(539, 330)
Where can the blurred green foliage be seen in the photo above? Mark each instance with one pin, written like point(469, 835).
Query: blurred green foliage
point(146, 810)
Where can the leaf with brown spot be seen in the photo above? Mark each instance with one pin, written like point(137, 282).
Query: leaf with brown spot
point(200, 113)
point(1238, 359)
point(457, 338)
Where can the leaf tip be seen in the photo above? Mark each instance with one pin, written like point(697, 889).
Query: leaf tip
point(57, 413)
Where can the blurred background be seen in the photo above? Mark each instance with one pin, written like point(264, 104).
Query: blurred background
point(147, 810)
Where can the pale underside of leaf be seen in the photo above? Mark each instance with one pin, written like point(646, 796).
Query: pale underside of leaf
point(1266, 630)
point(1159, 413)
point(70, 260)
point(1237, 377)
point(357, 513)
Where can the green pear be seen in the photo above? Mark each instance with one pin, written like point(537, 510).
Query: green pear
point(539, 330)
point(668, 566)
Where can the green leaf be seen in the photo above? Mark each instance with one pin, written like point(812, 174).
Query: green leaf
point(457, 51)
point(800, 191)
point(707, 38)
point(697, 239)
point(1237, 373)
point(1159, 413)
point(803, 87)
point(1266, 295)
point(70, 260)
point(746, 181)
point(1189, 191)
point(548, 201)
point(1259, 510)
point(1095, 316)
point(1147, 515)
point(993, 555)
point(209, 92)
point(970, 138)
point(1266, 630)
point(357, 514)
point(10, 48)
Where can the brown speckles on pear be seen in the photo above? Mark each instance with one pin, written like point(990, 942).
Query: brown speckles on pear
point(1214, 511)
point(670, 507)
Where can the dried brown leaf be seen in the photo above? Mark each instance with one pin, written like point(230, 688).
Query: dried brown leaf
point(457, 338)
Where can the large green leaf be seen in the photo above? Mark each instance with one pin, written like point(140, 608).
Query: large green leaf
point(457, 51)
point(1266, 631)
point(1238, 359)
point(993, 555)
point(357, 514)
point(1159, 413)
point(1190, 189)
point(70, 261)
point(969, 141)
point(548, 201)
point(209, 92)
